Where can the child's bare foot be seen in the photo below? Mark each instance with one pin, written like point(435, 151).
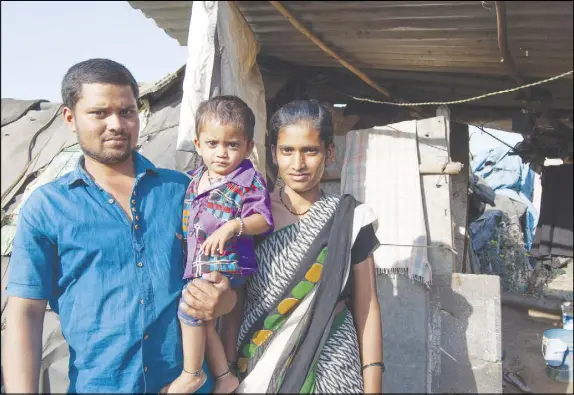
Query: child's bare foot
point(186, 383)
point(226, 384)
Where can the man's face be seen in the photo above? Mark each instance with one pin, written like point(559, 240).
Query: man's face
point(106, 121)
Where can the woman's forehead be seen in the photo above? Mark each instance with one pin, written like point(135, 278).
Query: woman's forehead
point(301, 134)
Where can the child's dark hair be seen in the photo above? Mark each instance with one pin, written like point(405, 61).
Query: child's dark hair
point(228, 110)
point(302, 111)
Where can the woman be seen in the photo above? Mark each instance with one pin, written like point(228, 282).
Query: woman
point(311, 318)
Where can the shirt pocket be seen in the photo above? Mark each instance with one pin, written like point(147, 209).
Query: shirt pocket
point(224, 204)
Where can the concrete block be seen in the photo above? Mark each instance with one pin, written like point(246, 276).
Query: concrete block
point(471, 335)
point(404, 313)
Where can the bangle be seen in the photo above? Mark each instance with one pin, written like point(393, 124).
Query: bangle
point(382, 365)
point(240, 227)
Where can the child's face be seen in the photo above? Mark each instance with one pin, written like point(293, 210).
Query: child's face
point(222, 147)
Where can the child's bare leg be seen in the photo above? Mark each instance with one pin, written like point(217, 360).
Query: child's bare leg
point(193, 377)
point(225, 381)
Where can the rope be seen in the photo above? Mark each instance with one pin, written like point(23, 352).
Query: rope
point(439, 103)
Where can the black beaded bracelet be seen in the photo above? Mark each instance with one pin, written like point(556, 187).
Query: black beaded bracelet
point(382, 365)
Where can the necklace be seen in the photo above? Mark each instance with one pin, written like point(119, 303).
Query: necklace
point(287, 207)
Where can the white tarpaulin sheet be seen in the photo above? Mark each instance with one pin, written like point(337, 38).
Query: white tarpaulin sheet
point(221, 61)
point(371, 174)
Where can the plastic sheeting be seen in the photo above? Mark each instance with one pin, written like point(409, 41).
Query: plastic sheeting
point(42, 132)
point(505, 173)
point(221, 61)
point(13, 109)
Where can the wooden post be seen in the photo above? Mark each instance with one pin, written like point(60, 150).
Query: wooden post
point(459, 151)
point(464, 324)
point(433, 148)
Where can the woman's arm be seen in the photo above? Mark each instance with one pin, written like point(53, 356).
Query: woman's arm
point(367, 316)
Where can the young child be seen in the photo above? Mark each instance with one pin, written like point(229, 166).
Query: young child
point(226, 203)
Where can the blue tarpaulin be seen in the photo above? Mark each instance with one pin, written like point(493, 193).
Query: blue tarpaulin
point(505, 173)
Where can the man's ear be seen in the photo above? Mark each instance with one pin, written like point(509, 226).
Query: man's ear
point(69, 119)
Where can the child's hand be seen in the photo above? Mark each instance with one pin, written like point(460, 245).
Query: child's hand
point(216, 242)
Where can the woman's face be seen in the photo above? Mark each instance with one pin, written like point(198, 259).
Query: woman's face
point(301, 156)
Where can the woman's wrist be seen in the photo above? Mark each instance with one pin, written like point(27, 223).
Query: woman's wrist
point(373, 380)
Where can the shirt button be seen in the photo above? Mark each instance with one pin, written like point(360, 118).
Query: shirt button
point(141, 301)
point(134, 209)
point(137, 218)
point(134, 193)
point(140, 264)
point(133, 201)
point(136, 226)
point(145, 337)
point(111, 201)
point(145, 369)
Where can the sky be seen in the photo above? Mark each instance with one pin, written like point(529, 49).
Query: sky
point(41, 40)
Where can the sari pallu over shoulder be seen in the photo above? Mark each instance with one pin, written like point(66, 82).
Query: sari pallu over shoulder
point(280, 350)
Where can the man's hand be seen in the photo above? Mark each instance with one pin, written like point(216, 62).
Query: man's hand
point(208, 297)
point(215, 243)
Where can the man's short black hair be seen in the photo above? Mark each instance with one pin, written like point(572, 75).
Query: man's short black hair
point(95, 71)
point(227, 110)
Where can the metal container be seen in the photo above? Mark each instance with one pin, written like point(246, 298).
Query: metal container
point(558, 352)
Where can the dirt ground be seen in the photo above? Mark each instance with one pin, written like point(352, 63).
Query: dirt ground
point(521, 344)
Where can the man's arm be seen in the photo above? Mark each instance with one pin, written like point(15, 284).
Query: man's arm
point(22, 353)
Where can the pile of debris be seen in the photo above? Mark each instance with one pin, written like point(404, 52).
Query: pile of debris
point(502, 224)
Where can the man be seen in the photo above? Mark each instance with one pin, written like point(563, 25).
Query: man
point(102, 245)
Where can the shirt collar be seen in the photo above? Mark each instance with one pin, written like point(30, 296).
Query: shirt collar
point(243, 175)
point(80, 176)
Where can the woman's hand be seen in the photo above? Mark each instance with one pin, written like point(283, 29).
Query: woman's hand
point(208, 297)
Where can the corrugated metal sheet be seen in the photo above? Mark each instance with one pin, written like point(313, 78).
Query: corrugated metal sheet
point(445, 36)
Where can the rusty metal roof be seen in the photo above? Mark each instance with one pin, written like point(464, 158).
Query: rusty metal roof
point(446, 36)
point(429, 50)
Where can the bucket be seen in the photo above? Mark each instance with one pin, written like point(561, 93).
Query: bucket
point(558, 352)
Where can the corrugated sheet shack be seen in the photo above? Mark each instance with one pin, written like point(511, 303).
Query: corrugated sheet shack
point(445, 338)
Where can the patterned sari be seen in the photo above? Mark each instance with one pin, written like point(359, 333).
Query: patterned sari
point(290, 339)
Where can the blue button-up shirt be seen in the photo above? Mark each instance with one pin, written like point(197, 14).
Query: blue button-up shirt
point(114, 282)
